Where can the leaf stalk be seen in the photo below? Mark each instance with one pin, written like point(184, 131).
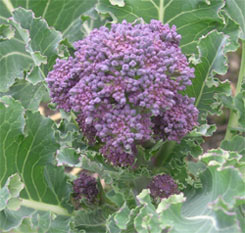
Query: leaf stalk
point(233, 119)
point(164, 153)
point(45, 207)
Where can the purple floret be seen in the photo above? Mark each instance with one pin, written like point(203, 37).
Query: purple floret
point(123, 83)
point(176, 122)
point(60, 80)
point(162, 186)
point(85, 186)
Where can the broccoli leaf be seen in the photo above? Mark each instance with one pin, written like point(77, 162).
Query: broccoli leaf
point(30, 52)
point(213, 61)
point(27, 147)
point(6, 32)
point(237, 143)
point(64, 16)
point(236, 10)
point(30, 95)
point(193, 18)
point(92, 220)
point(212, 208)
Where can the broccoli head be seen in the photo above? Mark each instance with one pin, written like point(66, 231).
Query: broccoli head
point(124, 84)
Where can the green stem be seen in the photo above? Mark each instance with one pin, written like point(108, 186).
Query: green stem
point(161, 11)
point(103, 197)
point(233, 119)
point(45, 207)
point(164, 153)
point(8, 5)
point(73, 117)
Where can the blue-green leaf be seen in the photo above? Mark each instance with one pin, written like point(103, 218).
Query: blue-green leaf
point(193, 18)
point(236, 11)
point(27, 146)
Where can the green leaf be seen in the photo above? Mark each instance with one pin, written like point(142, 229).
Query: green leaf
point(104, 170)
point(27, 146)
point(147, 219)
point(10, 219)
point(68, 157)
point(223, 158)
point(11, 212)
point(116, 197)
point(10, 191)
point(214, 208)
point(237, 143)
point(44, 222)
point(62, 15)
point(6, 32)
point(117, 2)
point(28, 94)
point(122, 217)
point(236, 11)
point(239, 102)
point(27, 53)
point(92, 220)
point(204, 130)
point(209, 102)
point(236, 104)
point(193, 18)
point(212, 61)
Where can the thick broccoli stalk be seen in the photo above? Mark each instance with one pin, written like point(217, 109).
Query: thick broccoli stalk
point(124, 85)
point(85, 186)
point(162, 186)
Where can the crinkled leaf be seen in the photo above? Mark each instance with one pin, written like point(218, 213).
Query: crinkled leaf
point(237, 143)
point(68, 157)
point(236, 10)
point(41, 40)
point(212, 61)
point(6, 32)
point(237, 105)
point(27, 148)
point(33, 46)
point(105, 171)
point(122, 217)
point(30, 95)
point(68, 133)
point(116, 197)
point(193, 18)
point(92, 220)
point(214, 208)
point(209, 101)
point(65, 16)
point(10, 219)
point(117, 2)
point(203, 130)
point(223, 158)
point(175, 163)
point(239, 102)
point(45, 222)
point(10, 191)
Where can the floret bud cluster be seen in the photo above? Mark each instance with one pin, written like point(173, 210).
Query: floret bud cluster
point(85, 186)
point(124, 85)
point(162, 186)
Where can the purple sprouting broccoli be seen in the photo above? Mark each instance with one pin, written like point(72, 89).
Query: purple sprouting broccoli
point(85, 186)
point(162, 186)
point(124, 85)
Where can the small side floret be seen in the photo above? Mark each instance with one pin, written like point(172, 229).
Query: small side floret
point(85, 186)
point(162, 186)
